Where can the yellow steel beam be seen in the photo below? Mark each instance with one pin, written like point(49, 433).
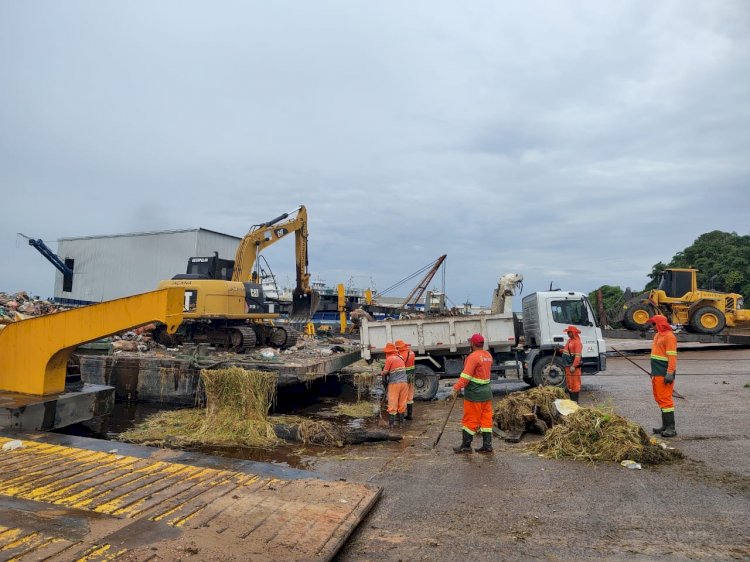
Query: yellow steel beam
point(34, 353)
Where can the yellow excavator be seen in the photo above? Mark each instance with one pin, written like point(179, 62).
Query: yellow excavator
point(678, 297)
point(224, 301)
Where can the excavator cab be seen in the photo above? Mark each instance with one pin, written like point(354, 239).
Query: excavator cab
point(212, 267)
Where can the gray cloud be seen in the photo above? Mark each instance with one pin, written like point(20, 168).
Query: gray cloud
point(578, 142)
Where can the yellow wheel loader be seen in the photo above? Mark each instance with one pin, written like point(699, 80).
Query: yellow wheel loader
point(678, 297)
point(224, 301)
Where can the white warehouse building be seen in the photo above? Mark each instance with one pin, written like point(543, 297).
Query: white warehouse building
point(120, 265)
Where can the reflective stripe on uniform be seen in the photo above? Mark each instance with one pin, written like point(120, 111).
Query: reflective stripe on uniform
point(661, 357)
point(474, 379)
point(467, 430)
point(485, 429)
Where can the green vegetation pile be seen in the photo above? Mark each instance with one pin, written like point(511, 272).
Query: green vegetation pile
point(237, 403)
point(510, 411)
point(598, 434)
point(359, 409)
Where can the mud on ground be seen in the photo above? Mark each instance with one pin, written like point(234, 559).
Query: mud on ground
point(516, 506)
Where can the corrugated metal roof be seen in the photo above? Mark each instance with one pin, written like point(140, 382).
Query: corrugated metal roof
point(149, 233)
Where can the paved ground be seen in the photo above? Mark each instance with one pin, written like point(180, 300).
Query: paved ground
point(517, 506)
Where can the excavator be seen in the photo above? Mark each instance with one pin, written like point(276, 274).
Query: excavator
point(224, 301)
point(678, 297)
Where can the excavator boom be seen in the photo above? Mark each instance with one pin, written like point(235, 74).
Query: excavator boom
point(304, 299)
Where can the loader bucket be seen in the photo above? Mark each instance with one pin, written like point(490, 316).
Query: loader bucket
point(304, 305)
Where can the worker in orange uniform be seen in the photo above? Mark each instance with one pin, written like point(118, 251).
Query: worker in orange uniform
point(663, 371)
point(571, 355)
point(394, 379)
point(475, 381)
point(405, 352)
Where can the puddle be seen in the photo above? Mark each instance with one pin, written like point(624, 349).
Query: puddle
point(316, 402)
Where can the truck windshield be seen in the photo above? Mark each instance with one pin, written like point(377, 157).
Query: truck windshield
point(570, 312)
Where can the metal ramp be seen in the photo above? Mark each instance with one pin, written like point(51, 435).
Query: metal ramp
point(61, 503)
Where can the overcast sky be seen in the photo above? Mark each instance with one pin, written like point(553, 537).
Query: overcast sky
point(574, 142)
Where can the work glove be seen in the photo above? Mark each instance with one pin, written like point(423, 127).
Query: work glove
point(452, 396)
point(669, 378)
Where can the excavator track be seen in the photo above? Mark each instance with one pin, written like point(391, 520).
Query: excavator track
point(284, 337)
point(248, 338)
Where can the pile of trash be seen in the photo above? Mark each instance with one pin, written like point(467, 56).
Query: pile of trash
point(20, 306)
point(598, 434)
point(517, 410)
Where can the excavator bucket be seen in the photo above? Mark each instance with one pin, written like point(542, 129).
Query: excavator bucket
point(304, 305)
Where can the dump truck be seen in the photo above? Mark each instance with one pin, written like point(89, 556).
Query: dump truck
point(524, 348)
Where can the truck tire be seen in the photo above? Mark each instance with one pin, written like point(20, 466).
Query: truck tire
point(708, 320)
point(636, 317)
point(425, 383)
point(552, 376)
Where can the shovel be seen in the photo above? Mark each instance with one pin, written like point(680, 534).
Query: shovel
point(674, 392)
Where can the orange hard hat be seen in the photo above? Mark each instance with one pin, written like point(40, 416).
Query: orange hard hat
point(389, 348)
point(572, 329)
point(401, 344)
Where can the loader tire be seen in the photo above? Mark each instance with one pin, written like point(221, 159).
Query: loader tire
point(708, 320)
point(636, 317)
point(425, 383)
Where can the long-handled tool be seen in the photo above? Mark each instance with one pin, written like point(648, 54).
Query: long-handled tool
point(450, 411)
point(674, 392)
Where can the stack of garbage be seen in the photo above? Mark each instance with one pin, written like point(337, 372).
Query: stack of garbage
point(20, 306)
point(515, 411)
point(599, 434)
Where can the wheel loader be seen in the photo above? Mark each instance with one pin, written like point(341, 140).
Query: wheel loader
point(678, 297)
point(224, 301)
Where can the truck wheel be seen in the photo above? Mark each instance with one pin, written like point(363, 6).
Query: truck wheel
point(708, 320)
point(425, 383)
point(636, 317)
point(549, 372)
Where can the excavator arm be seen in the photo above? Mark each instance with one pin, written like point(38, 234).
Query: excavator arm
point(305, 300)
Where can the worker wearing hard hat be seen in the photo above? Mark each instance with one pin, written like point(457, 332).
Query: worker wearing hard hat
point(475, 382)
point(663, 370)
point(405, 352)
point(394, 380)
point(571, 355)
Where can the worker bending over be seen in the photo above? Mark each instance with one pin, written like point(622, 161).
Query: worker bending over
point(663, 371)
point(475, 382)
point(571, 355)
point(405, 352)
point(394, 380)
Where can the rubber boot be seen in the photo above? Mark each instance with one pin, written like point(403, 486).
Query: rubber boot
point(391, 421)
point(400, 419)
point(574, 396)
point(465, 446)
point(669, 430)
point(658, 430)
point(409, 411)
point(486, 443)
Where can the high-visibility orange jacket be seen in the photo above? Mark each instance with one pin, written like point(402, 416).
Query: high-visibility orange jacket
point(408, 356)
point(475, 377)
point(394, 369)
point(572, 352)
point(663, 350)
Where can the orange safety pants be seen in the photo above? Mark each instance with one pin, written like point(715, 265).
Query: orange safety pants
point(410, 395)
point(663, 393)
point(397, 395)
point(573, 379)
point(477, 416)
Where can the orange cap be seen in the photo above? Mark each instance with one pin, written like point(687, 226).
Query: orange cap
point(477, 339)
point(572, 329)
point(389, 348)
point(401, 344)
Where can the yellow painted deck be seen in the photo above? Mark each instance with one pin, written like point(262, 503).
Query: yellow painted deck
point(63, 503)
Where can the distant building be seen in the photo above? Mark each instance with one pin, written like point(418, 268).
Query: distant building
point(120, 265)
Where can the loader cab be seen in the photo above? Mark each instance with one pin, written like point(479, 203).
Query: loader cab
point(212, 267)
point(676, 283)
